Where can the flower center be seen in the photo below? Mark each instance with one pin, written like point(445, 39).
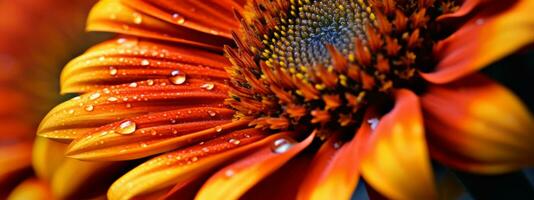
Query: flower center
point(301, 39)
point(320, 64)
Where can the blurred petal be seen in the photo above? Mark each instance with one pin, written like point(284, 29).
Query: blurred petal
point(234, 180)
point(186, 164)
point(14, 158)
point(128, 59)
point(497, 31)
point(82, 180)
point(479, 126)
point(47, 156)
point(81, 115)
point(396, 161)
point(334, 172)
point(31, 189)
point(154, 133)
point(140, 18)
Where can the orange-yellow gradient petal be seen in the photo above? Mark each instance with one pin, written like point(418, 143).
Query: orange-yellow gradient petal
point(334, 172)
point(477, 125)
point(47, 156)
point(126, 59)
point(158, 20)
point(234, 180)
point(182, 165)
point(396, 162)
point(33, 189)
point(497, 31)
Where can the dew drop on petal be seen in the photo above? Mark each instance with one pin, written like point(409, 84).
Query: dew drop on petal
point(177, 78)
point(229, 173)
point(373, 123)
point(94, 96)
point(234, 141)
point(138, 19)
point(112, 99)
point(89, 108)
point(150, 82)
point(281, 145)
point(211, 113)
point(207, 86)
point(218, 129)
point(112, 71)
point(126, 127)
point(145, 62)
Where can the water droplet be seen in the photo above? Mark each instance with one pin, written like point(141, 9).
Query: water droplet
point(94, 96)
point(208, 86)
point(336, 145)
point(121, 40)
point(126, 127)
point(281, 145)
point(89, 108)
point(138, 19)
point(179, 19)
point(373, 123)
point(205, 149)
point(145, 62)
point(133, 85)
point(229, 173)
point(71, 111)
point(218, 129)
point(211, 113)
point(128, 105)
point(144, 145)
point(234, 141)
point(177, 77)
point(112, 71)
point(112, 99)
point(194, 159)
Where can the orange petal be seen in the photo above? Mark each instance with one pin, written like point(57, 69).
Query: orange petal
point(490, 35)
point(14, 158)
point(133, 18)
point(234, 180)
point(186, 164)
point(33, 189)
point(334, 172)
point(479, 126)
point(154, 133)
point(47, 156)
point(128, 59)
point(76, 179)
point(396, 161)
point(84, 114)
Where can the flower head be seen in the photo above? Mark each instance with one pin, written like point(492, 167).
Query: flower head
point(325, 91)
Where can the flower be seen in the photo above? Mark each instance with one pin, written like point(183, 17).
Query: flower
point(35, 38)
point(311, 96)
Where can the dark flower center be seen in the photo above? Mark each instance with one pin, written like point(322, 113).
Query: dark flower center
point(301, 40)
point(320, 64)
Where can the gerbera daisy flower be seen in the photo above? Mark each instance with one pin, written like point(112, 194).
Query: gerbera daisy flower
point(295, 99)
point(36, 37)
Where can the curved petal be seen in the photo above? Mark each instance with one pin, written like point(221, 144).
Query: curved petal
point(234, 180)
point(334, 172)
point(132, 19)
point(81, 180)
point(31, 189)
point(14, 158)
point(84, 114)
point(128, 59)
point(47, 156)
point(186, 164)
point(396, 161)
point(479, 126)
point(154, 133)
point(490, 35)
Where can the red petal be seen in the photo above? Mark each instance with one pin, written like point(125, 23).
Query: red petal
point(186, 164)
point(477, 125)
point(234, 180)
point(489, 36)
